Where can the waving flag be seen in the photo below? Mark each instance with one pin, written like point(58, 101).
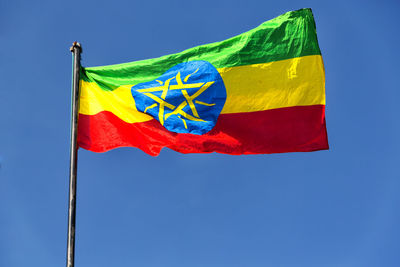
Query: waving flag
point(262, 91)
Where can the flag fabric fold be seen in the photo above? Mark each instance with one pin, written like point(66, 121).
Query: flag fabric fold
point(262, 91)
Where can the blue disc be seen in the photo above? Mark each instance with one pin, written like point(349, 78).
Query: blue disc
point(187, 98)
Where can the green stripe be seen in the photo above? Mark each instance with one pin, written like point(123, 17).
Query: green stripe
point(290, 35)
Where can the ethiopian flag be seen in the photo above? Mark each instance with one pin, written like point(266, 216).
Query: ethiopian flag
point(262, 91)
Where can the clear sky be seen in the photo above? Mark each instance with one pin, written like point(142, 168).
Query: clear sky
point(330, 208)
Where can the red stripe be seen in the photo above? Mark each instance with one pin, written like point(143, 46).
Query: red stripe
point(292, 129)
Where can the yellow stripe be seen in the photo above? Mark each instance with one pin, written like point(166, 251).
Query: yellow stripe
point(120, 102)
point(286, 83)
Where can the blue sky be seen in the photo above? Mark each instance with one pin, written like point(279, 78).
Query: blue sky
point(329, 208)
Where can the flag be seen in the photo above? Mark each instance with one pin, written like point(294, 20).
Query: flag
point(262, 91)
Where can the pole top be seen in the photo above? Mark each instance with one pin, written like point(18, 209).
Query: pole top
point(77, 45)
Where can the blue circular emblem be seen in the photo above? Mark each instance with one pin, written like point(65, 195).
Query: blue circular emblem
point(187, 98)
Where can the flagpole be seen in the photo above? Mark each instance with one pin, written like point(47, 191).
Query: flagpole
point(76, 49)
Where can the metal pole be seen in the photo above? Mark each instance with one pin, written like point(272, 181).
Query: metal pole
point(76, 50)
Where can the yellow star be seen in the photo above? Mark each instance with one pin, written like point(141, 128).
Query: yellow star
point(189, 100)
